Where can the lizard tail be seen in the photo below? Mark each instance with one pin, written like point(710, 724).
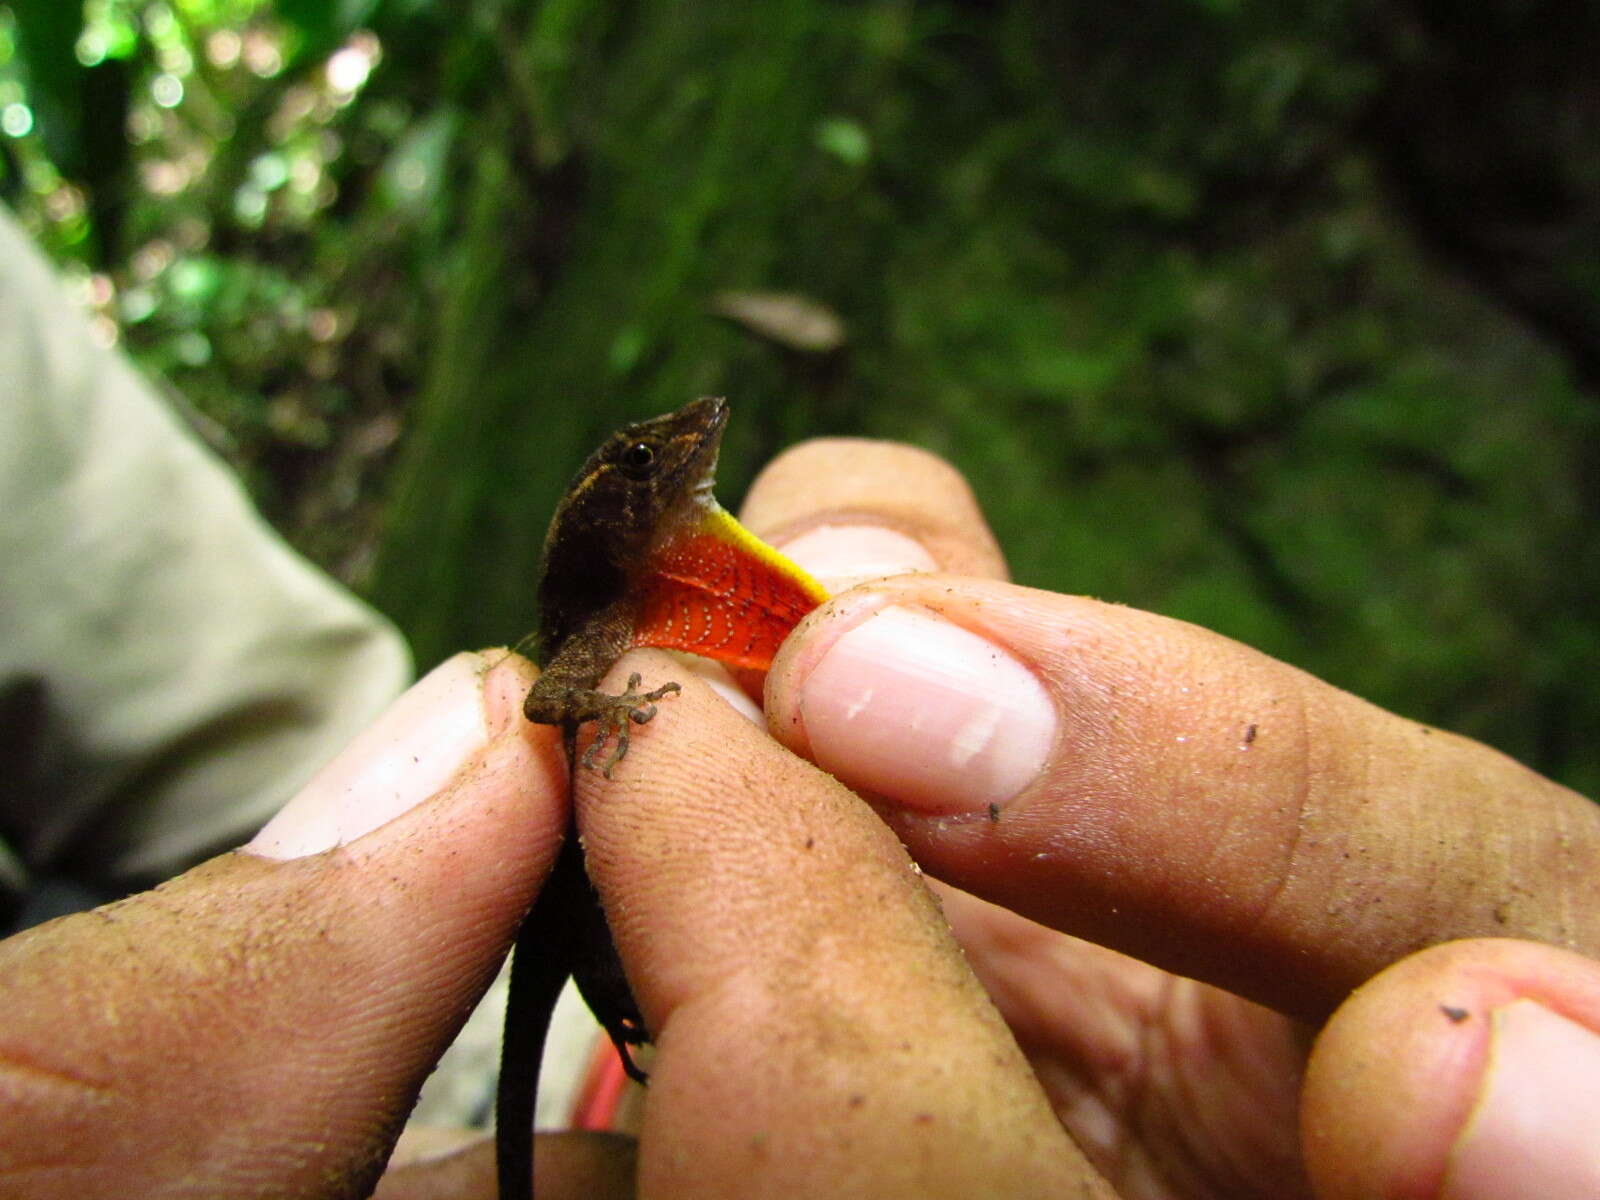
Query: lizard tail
point(538, 973)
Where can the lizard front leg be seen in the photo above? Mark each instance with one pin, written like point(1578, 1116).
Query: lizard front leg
point(565, 694)
point(610, 713)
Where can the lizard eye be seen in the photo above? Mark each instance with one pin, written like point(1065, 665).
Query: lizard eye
point(638, 461)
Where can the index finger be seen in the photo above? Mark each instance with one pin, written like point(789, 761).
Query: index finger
point(818, 1032)
point(1173, 794)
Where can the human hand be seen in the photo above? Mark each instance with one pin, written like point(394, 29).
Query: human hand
point(1200, 807)
point(259, 1026)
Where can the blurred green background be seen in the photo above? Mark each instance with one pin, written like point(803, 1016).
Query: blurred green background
point(1279, 316)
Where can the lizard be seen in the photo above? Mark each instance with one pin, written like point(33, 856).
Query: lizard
point(638, 554)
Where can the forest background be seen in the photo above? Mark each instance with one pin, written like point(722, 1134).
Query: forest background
point(1279, 316)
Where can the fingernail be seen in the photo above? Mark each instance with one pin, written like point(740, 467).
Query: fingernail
point(1535, 1130)
point(406, 756)
point(841, 556)
point(925, 713)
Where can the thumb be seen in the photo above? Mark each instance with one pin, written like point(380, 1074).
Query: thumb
point(260, 1025)
point(1468, 1071)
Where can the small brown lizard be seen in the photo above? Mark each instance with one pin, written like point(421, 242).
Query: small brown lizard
point(638, 554)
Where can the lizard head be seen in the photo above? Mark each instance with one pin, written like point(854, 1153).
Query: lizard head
point(646, 477)
point(640, 525)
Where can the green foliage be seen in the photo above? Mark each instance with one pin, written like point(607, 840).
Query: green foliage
point(1172, 284)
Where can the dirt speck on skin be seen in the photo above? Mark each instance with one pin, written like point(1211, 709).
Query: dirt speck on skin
point(1454, 1014)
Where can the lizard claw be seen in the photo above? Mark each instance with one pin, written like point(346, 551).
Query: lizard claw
point(646, 706)
point(631, 705)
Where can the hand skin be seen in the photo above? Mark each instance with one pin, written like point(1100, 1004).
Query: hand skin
point(259, 1026)
point(1201, 808)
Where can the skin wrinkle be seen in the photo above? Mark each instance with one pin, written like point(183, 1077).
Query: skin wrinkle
point(1180, 1026)
point(21, 1072)
point(1010, 943)
point(1319, 849)
point(1207, 1032)
point(1143, 1110)
point(1270, 1153)
point(34, 1088)
point(1296, 817)
point(1172, 1024)
point(1137, 1075)
point(834, 1039)
point(1123, 1094)
point(1192, 1040)
point(1426, 894)
point(1188, 1171)
point(1107, 791)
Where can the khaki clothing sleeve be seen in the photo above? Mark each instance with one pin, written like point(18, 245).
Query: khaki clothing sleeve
point(170, 671)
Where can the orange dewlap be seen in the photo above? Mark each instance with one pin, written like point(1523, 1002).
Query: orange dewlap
point(721, 592)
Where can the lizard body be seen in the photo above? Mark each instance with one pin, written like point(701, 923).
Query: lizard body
point(639, 553)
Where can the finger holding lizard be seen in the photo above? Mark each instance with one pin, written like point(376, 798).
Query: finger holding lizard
point(260, 1025)
point(817, 1030)
point(1091, 770)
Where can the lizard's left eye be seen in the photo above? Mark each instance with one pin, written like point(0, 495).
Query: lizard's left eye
point(638, 461)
